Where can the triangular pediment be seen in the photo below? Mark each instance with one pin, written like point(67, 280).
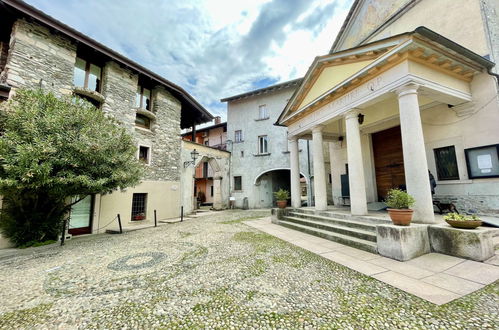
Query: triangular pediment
point(330, 76)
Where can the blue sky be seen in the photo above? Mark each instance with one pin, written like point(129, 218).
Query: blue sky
point(212, 48)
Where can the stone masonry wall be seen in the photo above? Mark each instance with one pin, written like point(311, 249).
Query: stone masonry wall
point(38, 57)
point(35, 54)
point(472, 204)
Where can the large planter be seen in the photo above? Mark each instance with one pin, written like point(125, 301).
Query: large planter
point(400, 217)
point(282, 204)
point(466, 224)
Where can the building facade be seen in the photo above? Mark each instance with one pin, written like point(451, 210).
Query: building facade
point(213, 136)
point(405, 92)
point(260, 163)
point(40, 52)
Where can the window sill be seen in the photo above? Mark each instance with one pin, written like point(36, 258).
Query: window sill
point(144, 130)
point(89, 93)
point(286, 152)
point(239, 141)
point(447, 182)
point(147, 113)
point(262, 155)
point(260, 119)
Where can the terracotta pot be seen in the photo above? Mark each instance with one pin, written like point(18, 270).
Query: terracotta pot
point(282, 204)
point(400, 217)
point(468, 224)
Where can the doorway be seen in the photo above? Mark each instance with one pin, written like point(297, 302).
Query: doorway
point(80, 219)
point(388, 161)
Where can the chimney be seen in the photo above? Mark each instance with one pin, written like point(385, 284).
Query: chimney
point(218, 120)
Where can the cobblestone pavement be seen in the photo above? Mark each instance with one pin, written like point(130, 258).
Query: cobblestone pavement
point(212, 272)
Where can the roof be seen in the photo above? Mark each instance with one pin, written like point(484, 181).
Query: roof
point(188, 102)
point(396, 44)
point(286, 84)
point(206, 128)
point(353, 11)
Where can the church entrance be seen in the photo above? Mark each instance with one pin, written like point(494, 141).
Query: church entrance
point(388, 161)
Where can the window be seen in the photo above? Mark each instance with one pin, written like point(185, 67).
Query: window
point(139, 202)
point(142, 121)
point(143, 98)
point(211, 191)
point(239, 136)
point(238, 184)
point(242, 153)
point(144, 154)
point(87, 75)
point(262, 112)
point(445, 159)
point(262, 144)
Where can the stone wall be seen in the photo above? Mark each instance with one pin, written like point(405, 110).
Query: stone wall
point(39, 58)
point(472, 204)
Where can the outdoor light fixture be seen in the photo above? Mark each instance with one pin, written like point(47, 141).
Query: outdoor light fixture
point(194, 156)
point(361, 118)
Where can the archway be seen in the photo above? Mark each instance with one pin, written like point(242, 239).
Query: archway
point(269, 181)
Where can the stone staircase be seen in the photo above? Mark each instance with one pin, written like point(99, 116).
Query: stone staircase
point(356, 231)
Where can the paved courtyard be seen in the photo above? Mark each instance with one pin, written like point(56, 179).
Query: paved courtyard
point(212, 272)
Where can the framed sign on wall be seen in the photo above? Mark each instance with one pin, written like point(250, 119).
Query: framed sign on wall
point(483, 162)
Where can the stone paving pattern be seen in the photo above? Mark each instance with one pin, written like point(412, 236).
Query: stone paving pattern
point(212, 272)
point(435, 277)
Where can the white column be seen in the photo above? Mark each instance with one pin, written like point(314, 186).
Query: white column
point(320, 189)
point(356, 179)
point(295, 172)
point(415, 163)
point(336, 168)
point(217, 193)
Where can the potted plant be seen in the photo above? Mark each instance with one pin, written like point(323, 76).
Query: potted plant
point(282, 197)
point(399, 203)
point(457, 220)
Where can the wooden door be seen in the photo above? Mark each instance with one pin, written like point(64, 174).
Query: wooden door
point(388, 161)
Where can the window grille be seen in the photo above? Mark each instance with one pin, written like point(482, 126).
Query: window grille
point(139, 202)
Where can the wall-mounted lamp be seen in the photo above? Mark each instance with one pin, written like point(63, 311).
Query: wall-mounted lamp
point(361, 118)
point(194, 156)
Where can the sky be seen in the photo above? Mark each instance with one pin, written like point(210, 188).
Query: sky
point(211, 48)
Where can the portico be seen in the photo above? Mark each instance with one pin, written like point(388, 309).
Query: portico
point(351, 95)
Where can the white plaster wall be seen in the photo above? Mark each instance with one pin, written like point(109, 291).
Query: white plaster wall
point(241, 115)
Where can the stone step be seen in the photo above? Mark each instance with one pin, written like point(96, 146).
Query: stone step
point(332, 236)
point(367, 235)
point(345, 216)
point(495, 241)
point(341, 222)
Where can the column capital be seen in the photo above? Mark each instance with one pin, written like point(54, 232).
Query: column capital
point(292, 138)
point(352, 113)
point(317, 129)
point(410, 88)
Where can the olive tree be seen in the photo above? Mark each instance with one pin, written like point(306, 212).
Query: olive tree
point(53, 152)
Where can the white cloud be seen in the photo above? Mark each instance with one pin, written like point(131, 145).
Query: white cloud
point(212, 48)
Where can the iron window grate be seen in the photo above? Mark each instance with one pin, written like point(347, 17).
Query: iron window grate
point(139, 202)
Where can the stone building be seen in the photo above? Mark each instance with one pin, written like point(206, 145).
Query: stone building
point(404, 91)
point(212, 136)
point(260, 162)
point(37, 51)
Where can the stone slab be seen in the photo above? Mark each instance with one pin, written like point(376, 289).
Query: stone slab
point(402, 268)
point(475, 244)
point(418, 288)
point(355, 264)
point(453, 283)
point(402, 242)
point(475, 271)
point(435, 262)
point(358, 254)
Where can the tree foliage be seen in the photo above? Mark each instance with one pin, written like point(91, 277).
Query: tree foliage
point(52, 149)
